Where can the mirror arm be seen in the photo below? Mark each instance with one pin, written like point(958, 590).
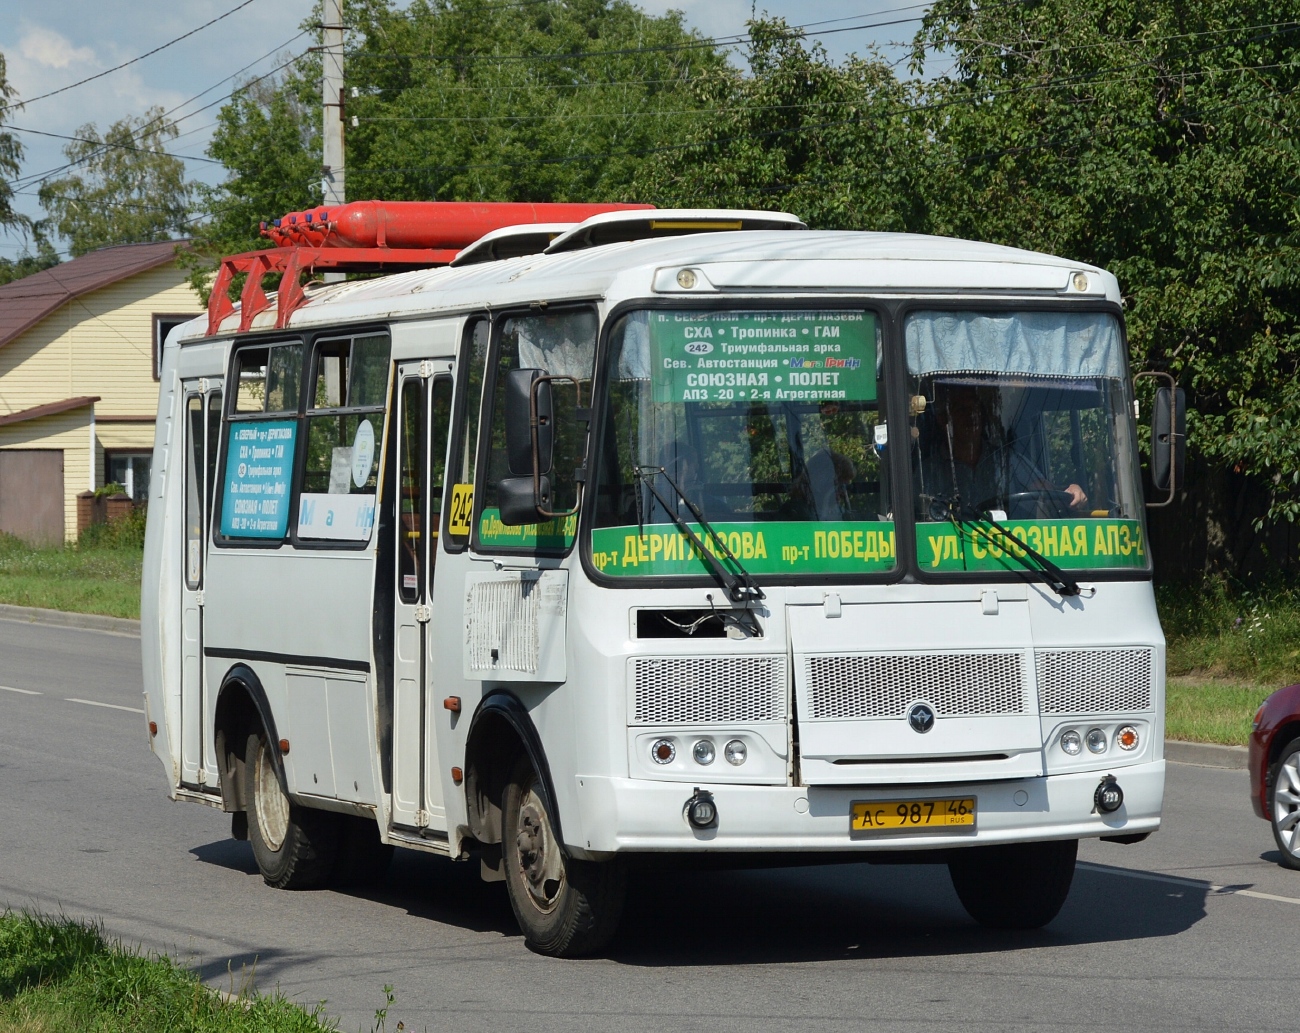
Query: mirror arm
point(537, 459)
point(1173, 431)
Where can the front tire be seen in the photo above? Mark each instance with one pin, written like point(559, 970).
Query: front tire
point(1284, 804)
point(295, 847)
point(565, 907)
point(1016, 885)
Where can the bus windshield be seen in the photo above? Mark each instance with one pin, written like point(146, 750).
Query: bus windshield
point(1022, 418)
point(770, 422)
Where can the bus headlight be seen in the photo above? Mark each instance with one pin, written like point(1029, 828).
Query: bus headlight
point(735, 752)
point(1097, 741)
point(703, 752)
point(1071, 742)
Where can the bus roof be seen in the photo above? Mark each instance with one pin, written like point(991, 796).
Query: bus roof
point(725, 263)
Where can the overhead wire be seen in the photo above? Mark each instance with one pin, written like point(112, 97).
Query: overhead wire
point(126, 64)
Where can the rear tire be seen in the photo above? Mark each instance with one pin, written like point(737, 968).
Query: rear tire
point(295, 846)
point(1016, 885)
point(565, 907)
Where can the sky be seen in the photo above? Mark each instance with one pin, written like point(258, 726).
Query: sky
point(54, 43)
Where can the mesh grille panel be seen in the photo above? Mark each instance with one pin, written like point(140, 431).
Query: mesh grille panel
point(1093, 681)
point(694, 690)
point(883, 684)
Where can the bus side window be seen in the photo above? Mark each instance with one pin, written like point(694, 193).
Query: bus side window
point(412, 494)
point(345, 428)
point(440, 425)
point(261, 443)
point(464, 446)
point(562, 343)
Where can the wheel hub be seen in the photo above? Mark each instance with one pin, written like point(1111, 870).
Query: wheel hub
point(540, 861)
point(269, 802)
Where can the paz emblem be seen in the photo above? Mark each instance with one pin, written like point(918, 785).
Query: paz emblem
point(921, 718)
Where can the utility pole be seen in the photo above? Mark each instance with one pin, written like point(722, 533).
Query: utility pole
point(332, 103)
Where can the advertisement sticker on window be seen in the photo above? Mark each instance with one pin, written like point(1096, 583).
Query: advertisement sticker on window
point(762, 356)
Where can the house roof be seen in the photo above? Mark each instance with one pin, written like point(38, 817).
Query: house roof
point(25, 302)
point(48, 409)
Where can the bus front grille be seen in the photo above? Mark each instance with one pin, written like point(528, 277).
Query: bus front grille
point(1093, 681)
point(875, 685)
point(708, 690)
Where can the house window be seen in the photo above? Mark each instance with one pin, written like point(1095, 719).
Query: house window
point(131, 470)
point(163, 324)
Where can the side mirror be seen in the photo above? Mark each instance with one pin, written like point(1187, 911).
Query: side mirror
point(528, 408)
point(1168, 440)
point(519, 503)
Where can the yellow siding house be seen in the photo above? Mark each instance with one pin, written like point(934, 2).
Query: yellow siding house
point(79, 349)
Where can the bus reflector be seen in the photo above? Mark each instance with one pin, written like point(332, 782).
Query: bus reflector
point(153, 728)
point(457, 775)
point(284, 745)
point(452, 703)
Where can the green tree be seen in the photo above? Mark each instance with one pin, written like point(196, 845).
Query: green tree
point(11, 152)
point(1157, 140)
point(798, 132)
point(44, 257)
point(130, 190)
point(464, 100)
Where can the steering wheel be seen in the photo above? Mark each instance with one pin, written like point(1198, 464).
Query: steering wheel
point(1018, 502)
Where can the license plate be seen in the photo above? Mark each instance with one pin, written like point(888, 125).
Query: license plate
point(866, 817)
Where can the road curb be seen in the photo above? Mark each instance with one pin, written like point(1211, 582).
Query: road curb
point(1205, 754)
point(63, 619)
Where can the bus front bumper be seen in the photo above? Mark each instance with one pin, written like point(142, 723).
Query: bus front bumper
point(619, 815)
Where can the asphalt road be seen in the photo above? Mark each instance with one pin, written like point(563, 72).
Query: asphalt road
point(1190, 930)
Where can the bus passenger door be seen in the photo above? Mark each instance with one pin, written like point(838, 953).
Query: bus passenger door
point(202, 400)
point(424, 408)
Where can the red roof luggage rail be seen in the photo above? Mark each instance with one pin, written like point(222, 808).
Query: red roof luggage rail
point(370, 236)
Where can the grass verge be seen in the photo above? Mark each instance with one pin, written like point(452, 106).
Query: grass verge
point(1197, 710)
point(58, 975)
point(87, 578)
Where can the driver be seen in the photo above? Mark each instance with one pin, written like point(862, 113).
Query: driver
point(969, 466)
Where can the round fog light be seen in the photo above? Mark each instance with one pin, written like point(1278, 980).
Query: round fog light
point(1096, 741)
point(703, 752)
point(1127, 738)
point(662, 751)
point(701, 811)
point(1109, 797)
point(735, 752)
point(1071, 742)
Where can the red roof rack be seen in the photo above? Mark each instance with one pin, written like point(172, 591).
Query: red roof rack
point(370, 236)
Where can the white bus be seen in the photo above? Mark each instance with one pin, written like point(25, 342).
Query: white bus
point(679, 536)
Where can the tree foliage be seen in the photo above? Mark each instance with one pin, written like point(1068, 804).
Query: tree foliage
point(126, 188)
point(11, 152)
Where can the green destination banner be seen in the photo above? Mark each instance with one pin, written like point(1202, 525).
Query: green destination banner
point(551, 534)
point(762, 356)
point(1070, 544)
point(778, 547)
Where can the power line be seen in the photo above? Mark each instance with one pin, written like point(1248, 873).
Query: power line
point(124, 64)
point(583, 55)
point(110, 145)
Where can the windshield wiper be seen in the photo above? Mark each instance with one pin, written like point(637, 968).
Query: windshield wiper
point(1056, 579)
point(739, 585)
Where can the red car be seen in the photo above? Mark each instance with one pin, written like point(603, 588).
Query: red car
point(1275, 769)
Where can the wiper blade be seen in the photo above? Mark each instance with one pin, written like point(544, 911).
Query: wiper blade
point(1056, 579)
point(739, 585)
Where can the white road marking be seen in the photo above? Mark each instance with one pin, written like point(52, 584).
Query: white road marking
point(110, 706)
point(25, 692)
point(1175, 880)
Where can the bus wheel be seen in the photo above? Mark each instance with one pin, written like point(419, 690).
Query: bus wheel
point(1016, 885)
point(294, 846)
point(565, 907)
